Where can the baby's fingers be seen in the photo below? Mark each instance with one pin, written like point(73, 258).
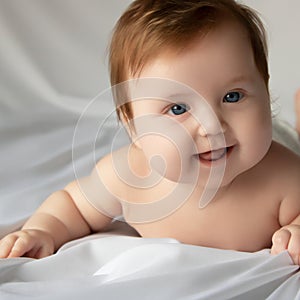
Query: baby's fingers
point(40, 252)
point(22, 245)
point(16, 245)
point(294, 245)
point(6, 244)
point(288, 238)
point(280, 241)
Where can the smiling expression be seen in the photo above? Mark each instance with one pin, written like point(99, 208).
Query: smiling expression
point(218, 113)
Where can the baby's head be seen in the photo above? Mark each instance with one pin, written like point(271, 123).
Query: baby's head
point(149, 28)
point(201, 106)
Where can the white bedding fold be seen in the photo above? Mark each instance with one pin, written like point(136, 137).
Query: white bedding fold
point(127, 267)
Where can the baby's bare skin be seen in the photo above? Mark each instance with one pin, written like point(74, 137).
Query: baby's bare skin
point(236, 218)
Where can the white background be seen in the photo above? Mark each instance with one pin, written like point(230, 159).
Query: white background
point(282, 20)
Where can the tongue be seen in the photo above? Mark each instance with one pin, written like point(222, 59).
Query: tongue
point(211, 155)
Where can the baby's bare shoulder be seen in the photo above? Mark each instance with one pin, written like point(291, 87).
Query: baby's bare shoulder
point(283, 160)
point(110, 166)
point(279, 176)
point(278, 171)
point(118, 168)
point(287, 169)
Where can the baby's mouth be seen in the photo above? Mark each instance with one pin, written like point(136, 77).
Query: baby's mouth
point(214, 155)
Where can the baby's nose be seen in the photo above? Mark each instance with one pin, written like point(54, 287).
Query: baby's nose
point(211, 126)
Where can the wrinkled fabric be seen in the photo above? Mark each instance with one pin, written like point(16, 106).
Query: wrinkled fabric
point(119, 266)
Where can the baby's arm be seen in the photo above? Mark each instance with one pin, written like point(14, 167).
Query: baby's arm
point(288, 236)
point(64, 216)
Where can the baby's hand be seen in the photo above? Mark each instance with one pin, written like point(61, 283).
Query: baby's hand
point(287, 238)
point(30, 242)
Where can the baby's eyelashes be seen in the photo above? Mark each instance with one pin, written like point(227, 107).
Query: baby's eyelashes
point(178, 109)
point(233, 97)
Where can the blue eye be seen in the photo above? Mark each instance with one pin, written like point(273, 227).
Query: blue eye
point(179, 109)
point(233, 97)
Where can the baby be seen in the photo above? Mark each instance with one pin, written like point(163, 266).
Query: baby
point(190, 83)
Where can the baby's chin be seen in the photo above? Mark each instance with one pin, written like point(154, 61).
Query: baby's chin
point(232, 175)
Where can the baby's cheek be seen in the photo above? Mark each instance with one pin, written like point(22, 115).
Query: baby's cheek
point(254, 134)
point(167, 145)
point(163, 156)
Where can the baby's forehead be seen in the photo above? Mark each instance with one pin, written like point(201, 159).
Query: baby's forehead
point(171, 51)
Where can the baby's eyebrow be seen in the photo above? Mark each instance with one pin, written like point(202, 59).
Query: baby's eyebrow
point(240, 78)
point(178, 96)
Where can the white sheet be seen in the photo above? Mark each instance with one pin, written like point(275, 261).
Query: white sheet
point(52, 60)
point(128, 267)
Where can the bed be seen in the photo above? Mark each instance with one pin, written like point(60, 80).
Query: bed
point(52, 59)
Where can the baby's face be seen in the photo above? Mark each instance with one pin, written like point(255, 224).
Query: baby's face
point(209, 107)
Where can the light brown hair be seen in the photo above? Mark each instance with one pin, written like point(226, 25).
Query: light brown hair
point(149, 27)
